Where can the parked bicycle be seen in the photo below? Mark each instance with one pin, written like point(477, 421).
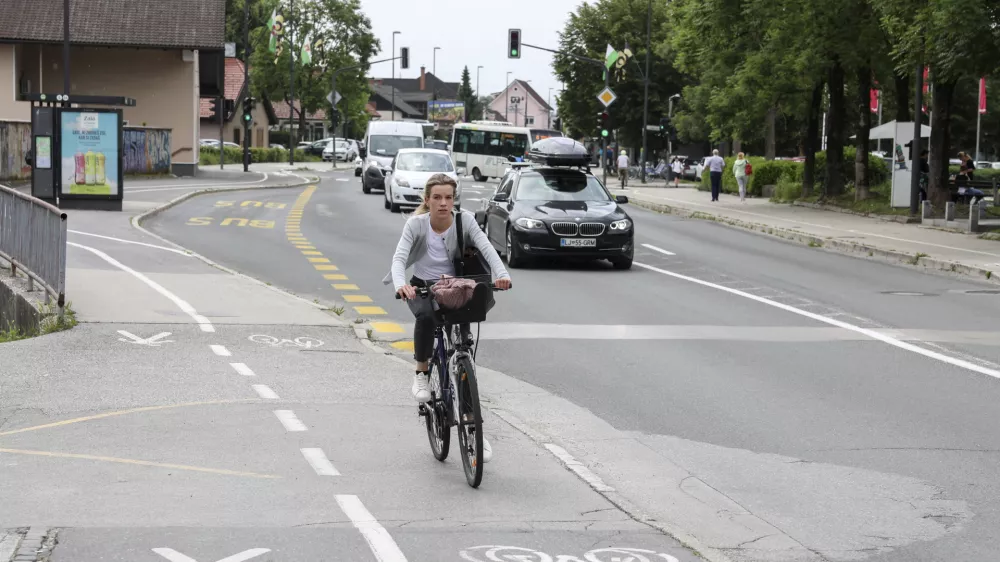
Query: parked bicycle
point(453, 386)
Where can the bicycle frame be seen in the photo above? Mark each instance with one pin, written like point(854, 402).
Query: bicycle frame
point(455, 351)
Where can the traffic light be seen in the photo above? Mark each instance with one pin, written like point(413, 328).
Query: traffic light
point(514, 44)
point(214, 108)
point(334, 119)
point(248, 104)
point(404, 57)
point(229, 106)
point(664, 125)
point(605, 123)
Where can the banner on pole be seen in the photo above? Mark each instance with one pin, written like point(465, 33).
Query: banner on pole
point(875, 96)
point(982, 95)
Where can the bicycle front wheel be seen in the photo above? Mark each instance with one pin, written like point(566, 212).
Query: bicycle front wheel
point(470, 424)
point(438, 428)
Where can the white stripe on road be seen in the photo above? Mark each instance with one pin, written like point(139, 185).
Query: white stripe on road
point(379, 540)
point(221, 351)
point(179, 186)
point(242, 369)
point(288, 419)
point(661, 250)
point(174, 556)
point(827, 320)
point(204, 323)
point(265, 392)
point(317, 459)
point(131, 242)
point(343, 179)
point(580, 470)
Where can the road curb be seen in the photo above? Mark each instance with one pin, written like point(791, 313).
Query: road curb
point(136, 222)
point(854, 249)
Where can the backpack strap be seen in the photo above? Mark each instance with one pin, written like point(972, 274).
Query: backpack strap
point(460, 260)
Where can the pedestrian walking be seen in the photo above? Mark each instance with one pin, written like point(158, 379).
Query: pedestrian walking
point(623, 167)
point(677, 168)
point(740, 171)
point(715, 164)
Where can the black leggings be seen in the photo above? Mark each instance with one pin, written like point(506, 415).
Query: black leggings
point(426, 323)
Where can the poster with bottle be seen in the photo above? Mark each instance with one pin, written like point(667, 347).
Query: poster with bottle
point(89, 149)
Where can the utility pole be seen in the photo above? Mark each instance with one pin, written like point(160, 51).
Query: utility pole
point(604, 139)
point(291, 88)
point(66, 76)
point(478, 95)
point(645, 95)
point(246, 82)
point(506, 93)
point(670, 117)
point(393, 85)
point(915, 147)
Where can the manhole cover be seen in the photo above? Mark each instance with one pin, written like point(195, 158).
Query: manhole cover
point(983, 292)
point(906, 294)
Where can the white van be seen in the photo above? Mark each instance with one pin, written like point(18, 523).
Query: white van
point(383, 140)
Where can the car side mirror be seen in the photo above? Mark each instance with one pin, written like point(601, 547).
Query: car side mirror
point(501, 197)
point(621, 199)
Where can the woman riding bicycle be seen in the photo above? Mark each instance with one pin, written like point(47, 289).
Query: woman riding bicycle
point(430, 244)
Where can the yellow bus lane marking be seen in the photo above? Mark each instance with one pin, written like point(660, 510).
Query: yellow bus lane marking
point(311, 253)
point(387, 327)
point(345, 286)
point(370, 310)
point(321, 267)
point(357, 298)
point(403, 345)
point(220, 471)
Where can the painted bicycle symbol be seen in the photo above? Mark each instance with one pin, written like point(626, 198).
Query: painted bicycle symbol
point(494, 553)
point(302, 341)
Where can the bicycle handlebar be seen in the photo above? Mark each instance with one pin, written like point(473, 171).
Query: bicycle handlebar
point(424, 291)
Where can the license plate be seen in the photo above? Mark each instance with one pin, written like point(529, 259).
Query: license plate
point(579, 242)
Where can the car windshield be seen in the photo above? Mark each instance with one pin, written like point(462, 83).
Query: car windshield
point(386, 145)
point(424, 162)
point(342, 146)
point(572, 186)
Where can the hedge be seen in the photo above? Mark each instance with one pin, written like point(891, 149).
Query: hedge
point(774, 172)
point(210, 155)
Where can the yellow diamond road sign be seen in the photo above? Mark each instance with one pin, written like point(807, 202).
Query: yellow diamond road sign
point(607, 97)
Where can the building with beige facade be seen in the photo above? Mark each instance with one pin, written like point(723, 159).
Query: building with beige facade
point(165, 54)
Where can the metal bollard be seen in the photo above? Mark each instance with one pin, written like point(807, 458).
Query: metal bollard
point(925, 211)
point(949, 211)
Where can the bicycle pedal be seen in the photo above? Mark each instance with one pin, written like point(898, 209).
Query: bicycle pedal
point(422, 410)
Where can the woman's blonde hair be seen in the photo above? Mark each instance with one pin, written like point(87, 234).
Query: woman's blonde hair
point(432, 182)
point(741, 156)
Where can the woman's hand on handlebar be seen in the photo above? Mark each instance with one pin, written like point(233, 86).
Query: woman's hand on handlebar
point(407, 292)
point(502, 284)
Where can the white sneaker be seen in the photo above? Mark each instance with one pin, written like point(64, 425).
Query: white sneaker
point(487, 451)
point(420, 390)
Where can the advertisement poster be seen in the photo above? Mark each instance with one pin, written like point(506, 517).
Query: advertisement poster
point(451, 111)
point(89, 152)
point(44, 159)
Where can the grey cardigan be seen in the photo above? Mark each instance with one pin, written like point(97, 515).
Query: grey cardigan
point(413, 246)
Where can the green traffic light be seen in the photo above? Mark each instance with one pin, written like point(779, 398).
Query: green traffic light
point(513, 52)
point(604, 133)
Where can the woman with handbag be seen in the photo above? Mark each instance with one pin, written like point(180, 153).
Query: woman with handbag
point(430, 244)
point(740, 169)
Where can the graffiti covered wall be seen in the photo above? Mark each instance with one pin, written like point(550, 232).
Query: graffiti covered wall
point(15, 142)
point(146, 151)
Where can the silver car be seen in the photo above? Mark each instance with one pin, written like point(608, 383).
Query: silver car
point(408, 174)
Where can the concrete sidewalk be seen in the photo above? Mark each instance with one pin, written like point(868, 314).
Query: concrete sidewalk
point(872, 237)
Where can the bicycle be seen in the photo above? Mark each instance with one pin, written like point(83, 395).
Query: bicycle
point(453, 386)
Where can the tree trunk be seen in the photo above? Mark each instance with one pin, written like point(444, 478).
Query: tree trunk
point(770, 145)
point(902, 97)
point(835, 132)
point(812, 140)
point(864, 132)
point(737, 146)
point(941, 101)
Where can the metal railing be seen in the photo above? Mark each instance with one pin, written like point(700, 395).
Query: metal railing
point(33, 240)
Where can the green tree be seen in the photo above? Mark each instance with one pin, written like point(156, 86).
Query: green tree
point(473, 106)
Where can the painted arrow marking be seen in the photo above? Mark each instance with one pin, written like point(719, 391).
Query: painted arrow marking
point(152, 342)
point(174, 556)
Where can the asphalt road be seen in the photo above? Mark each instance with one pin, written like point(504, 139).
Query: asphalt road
point(737, 356)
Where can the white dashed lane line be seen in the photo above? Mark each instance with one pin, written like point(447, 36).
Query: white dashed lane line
point(661, 250)
point(379, 540)
point(220, 350)
point(265, 392)
point(242, 369)
point(318, 461)
point(288, 419)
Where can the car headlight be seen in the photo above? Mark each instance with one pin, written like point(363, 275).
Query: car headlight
point(623, 224)
point(401, 182)
point(530, 223)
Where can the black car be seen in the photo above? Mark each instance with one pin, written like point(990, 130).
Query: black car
point(552, 212)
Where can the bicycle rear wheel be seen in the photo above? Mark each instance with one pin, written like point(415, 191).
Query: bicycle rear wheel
point(438, 428)
point(470, 426)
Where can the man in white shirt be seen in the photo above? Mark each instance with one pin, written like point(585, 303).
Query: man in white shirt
point(623, 167)
point(715, 164)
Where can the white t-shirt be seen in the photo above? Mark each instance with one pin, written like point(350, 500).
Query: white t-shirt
point(436, 262)
point(622, 161)
point(678, 167)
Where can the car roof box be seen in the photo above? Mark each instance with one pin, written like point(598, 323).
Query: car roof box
point(559, 151)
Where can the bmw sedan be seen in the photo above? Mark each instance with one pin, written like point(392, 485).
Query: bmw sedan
point(556, 212)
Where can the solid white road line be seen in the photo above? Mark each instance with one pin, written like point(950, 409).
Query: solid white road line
point(197, 186)
point(827, 320)
point(204, 323)
point(220, 350)
point(379, 540)
point(242, 369)
point(317, 459)
point(580, 470)
point(288, 419)
point(265, 392)
point(130, 242)
point(661, 250)
point(343, 179)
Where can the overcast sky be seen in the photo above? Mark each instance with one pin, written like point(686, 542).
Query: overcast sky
point(471, 33)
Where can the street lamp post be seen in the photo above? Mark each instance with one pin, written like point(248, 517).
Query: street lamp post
point(478, 95)
point(434, 71)
point(393, 86)
point(549, 103)
point(291, 93)
point(645, 95)
point(670, 113)
point(506, 93)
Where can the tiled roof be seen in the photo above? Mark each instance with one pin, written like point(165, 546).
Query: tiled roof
point(281, 111)
point(177, 24)
point(234, 85)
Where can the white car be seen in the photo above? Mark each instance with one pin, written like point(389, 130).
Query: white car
point(408, 174)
